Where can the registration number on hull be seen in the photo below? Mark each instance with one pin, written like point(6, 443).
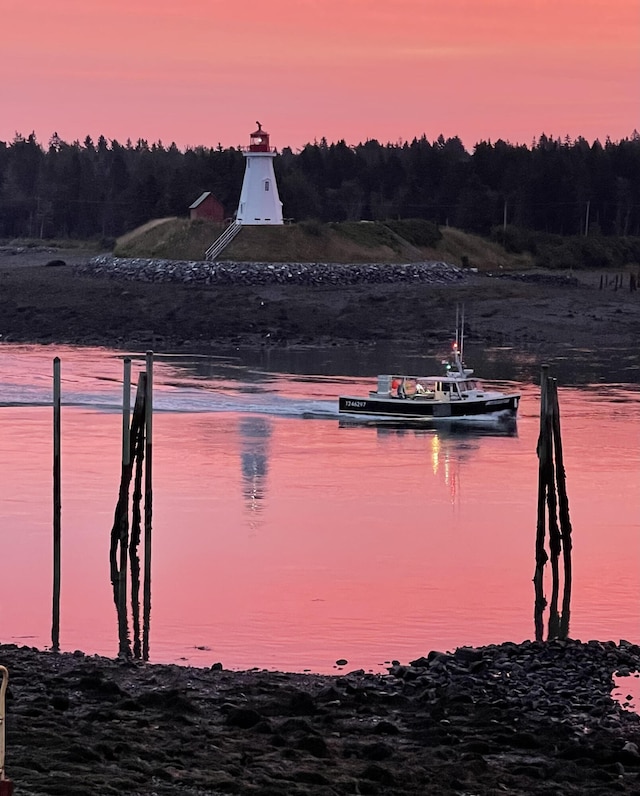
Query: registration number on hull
point(355, 404)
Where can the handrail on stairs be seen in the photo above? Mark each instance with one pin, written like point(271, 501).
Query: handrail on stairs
point(223, 241)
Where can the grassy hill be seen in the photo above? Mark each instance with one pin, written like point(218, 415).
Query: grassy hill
point(347, 242)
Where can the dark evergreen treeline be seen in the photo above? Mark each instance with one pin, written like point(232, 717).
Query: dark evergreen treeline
point(86, 190)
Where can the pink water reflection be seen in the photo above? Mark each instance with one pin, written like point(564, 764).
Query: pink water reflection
point(288, 543)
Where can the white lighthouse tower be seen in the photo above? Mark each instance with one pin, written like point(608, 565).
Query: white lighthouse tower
point(259, 199)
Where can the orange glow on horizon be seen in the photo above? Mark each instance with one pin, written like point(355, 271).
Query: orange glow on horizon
point(201, 74)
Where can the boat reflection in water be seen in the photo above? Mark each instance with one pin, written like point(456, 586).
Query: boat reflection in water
point(500, 425)
point(450, 442)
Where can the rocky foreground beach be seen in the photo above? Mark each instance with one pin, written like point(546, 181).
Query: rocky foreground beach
point(516, 719)
point(533, 718)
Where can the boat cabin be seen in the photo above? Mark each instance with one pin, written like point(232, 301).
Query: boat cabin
point(427, 388)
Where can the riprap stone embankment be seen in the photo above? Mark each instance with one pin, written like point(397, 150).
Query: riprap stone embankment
point(265, 273)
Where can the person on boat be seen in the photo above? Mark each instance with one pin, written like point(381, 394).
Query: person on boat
point(419, 388)
point(401, 390)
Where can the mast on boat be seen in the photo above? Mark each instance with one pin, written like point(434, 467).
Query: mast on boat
point(458, 347)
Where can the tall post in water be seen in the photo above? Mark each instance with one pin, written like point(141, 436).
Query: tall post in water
point(147, 506)
point(563, 510)
point(124, 525)
point(555, 541)
point(57, 508)
point(541, 554)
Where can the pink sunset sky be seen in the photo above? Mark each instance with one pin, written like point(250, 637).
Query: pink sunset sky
point(202, 72)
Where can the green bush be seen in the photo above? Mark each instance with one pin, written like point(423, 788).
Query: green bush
point(515, 240)
point(557, 255)
point(627, 250)
point(106, 243)
point(596, 252)
point(577, 252)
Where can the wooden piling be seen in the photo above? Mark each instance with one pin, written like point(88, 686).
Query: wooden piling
point(563, 513)
point(136, 522)
point(552, 495)
point(124, 525)
point(555, 544)
point(57, 507)
point(541, 554)
point(120, 529)
point(148, 499)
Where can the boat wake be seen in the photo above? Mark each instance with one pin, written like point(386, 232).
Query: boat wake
point(187, 401)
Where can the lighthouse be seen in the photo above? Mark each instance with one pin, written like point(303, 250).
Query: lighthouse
point(259, 199)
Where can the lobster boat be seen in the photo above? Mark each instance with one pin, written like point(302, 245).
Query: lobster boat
point(455, 393)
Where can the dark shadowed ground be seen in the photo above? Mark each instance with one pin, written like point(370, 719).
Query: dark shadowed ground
point(509, 719)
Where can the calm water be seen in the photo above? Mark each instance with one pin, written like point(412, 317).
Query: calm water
point(287, 539)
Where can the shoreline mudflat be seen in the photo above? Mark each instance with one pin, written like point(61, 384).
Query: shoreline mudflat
point(73, 303)
point(530, 718)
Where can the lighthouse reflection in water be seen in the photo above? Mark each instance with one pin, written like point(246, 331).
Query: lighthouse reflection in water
point(255, 433)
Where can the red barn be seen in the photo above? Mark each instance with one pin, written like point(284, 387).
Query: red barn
point(207, 206)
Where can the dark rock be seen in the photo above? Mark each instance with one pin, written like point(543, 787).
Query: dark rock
point(302, 704)
point(314, 744)
point(244, 718)
point(378, 774)
point(376, 751)
point(386, 728)
point(60, 702)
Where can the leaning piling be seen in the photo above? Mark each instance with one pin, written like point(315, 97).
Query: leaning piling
point(552, 514)
point(126, 532)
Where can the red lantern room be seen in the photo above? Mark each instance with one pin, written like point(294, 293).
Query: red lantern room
point(259, 140)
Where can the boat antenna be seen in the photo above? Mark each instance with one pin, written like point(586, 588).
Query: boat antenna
point(462, 336)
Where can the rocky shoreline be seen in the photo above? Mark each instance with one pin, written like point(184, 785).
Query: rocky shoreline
point(530, 718)
point(189, 272)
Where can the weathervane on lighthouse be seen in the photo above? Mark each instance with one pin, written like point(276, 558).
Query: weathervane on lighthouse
point(259, 199)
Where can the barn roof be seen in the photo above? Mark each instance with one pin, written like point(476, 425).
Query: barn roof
point(200, 200)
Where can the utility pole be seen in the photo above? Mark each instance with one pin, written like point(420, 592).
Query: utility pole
point(586, 219)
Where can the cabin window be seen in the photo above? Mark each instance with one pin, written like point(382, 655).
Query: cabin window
point(266, 185)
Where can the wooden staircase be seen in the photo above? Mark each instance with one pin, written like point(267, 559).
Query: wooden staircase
point(223, 241)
